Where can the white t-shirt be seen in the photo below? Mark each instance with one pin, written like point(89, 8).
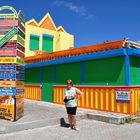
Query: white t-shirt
point(71, 93)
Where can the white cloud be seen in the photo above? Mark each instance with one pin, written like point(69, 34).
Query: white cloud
point(80, 10)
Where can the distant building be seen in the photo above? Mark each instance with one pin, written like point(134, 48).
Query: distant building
point(45, 37)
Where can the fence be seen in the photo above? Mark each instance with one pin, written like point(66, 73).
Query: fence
point(33, 92)
point(103, 98)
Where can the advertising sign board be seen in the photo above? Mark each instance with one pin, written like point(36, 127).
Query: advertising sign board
point(122, 95)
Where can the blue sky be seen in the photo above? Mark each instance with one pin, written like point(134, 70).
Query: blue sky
point(91, 21)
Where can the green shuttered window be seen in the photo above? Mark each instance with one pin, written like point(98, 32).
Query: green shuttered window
point(34, 42)
point(47, 43)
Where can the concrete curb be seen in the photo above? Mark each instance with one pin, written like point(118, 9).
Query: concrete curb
point(109, 119)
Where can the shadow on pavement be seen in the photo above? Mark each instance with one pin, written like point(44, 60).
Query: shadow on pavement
point(63, 123)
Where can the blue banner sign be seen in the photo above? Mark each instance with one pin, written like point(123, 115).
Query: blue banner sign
point(8, 92)
point(12, 76)
point(11, 92)
point(20, 68)
point(20, 91)
point(20, 76)
point(7, 76)
point(7, 67)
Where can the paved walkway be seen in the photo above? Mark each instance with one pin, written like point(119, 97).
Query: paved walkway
point(89, 130)
point(41, 114)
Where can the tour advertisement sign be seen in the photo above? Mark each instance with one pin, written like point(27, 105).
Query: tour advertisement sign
point(122, 94)
point(7, 107)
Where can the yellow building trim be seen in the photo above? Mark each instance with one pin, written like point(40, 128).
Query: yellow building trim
point(125, 108)
point(118, 107)
point(112, 100)
point(96, 99)
point(101, 99)
point(87, 97)
point(133, 109)
point(107, 96)
point(91, 98)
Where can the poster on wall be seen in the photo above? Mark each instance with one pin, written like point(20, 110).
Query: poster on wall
point(123, 95)
point(7, 107)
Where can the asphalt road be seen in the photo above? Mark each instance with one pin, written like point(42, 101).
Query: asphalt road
point(89, 130)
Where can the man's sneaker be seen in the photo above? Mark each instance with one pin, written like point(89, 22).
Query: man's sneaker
point(75, 128)
point(69, 128)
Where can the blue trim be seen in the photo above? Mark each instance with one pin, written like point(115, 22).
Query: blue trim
point(123, 101)
point(54, 74)
point(134, 52)
point(50, 36)
point(127, 70)
point(98, 55)
point(83, 72)
point(37, 36)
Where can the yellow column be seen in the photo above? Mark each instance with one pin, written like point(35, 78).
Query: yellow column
point(96, 98)
point(107, 96)
point(101, 99)
point(112, 100)
point(91, 98)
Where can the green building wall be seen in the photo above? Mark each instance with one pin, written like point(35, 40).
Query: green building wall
point(135, 70)
point(109, 71)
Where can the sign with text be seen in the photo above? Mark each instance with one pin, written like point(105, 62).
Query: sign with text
point(11, 60)
point(11, 75)
point(7, 84)
point(10, 92)
point(8, 52)
point(9, 45)
point(7, 67)
point(7, 107)
point(122, 95)
point(7, 75)
point(8, 36)
point(7, 59)
point(12, 84)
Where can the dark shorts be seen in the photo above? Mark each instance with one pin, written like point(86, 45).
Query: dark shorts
point(71, 110)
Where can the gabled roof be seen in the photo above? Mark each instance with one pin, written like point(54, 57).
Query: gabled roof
point(47, 23)
point(60, 29)
point(32, 22)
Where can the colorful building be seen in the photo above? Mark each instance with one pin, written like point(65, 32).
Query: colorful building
point(45, 37)
point(107, 74)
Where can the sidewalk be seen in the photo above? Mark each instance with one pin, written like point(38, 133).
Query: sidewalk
point(40, 114)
